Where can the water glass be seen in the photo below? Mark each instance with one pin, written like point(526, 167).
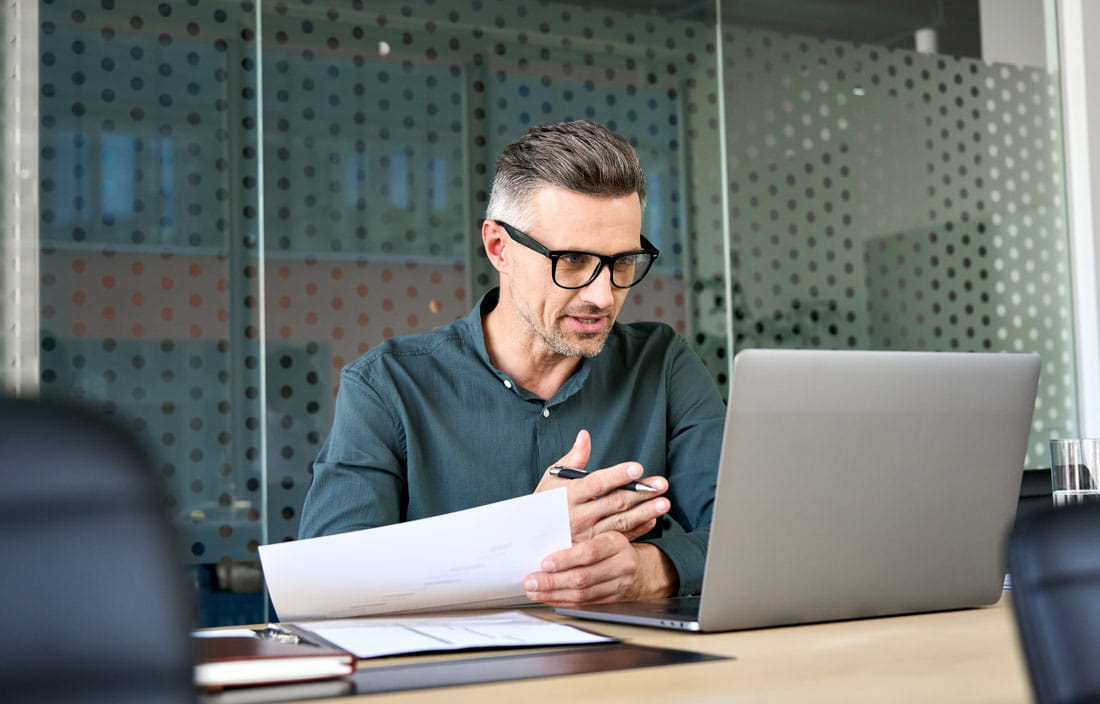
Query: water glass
point(1075, 470)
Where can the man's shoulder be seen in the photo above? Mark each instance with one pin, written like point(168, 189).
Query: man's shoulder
point(647, 333)
point(637, 342)
point(421, 345)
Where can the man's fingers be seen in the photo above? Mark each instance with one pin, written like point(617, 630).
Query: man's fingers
point(635, 522)
point(611, 479)
point(596, 570)
point(640, 530)
point(627, 520)
point(587, 553)
point(598, 501)
point(604, 514)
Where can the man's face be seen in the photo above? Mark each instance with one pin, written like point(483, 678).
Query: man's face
point(573, 322)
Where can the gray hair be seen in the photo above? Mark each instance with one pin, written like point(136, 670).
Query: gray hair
point(581, 156)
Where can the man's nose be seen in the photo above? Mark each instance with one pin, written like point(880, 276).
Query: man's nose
point(600, 292)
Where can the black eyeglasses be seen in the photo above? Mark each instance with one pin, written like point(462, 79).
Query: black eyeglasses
point(574, 269)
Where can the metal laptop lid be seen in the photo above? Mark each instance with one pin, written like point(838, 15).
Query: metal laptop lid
point(861, 483)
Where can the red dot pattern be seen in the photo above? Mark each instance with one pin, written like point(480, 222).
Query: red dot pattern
point(119, 295)
point(350, 307)
point(180, 325)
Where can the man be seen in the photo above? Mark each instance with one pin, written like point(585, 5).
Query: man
point(539, 374)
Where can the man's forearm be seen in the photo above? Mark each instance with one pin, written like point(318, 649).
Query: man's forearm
point(656, 577)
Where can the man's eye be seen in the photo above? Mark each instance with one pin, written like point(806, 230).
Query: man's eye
point(575, 259)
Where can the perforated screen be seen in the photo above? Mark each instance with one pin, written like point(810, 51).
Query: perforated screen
point(874, 198)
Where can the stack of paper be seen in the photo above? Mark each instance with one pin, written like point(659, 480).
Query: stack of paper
point(376, 637)
point(475, 558)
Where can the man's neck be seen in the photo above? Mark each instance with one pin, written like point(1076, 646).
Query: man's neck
point(520, 353)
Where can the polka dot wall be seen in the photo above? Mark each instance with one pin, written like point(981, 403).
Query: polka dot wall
point(382, 130)
point(148, 196)
point(892, 200)
point(858, 220)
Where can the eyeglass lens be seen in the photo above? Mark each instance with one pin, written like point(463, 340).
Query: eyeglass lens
point(575, 270)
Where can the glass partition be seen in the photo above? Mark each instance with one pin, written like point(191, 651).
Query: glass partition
point(237, 198)
point(382, 122)
point(883, 197)
point(149, 252)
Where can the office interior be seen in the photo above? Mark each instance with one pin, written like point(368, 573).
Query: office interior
point(211, 206)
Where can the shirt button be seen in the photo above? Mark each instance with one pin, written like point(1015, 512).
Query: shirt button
point(507, 384)
point(546, 413)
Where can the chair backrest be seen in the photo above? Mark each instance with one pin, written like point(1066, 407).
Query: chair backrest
point(1055, 559)
point(93, 602)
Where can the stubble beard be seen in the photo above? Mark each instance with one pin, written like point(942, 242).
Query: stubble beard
point(556, 338)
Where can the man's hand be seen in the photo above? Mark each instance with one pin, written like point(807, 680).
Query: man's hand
point(603, 565)
point(597, 504)
point(606, 568)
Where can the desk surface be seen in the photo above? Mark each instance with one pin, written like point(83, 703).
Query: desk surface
point(958, 656)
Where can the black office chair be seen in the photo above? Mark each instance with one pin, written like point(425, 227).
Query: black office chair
point(1055, 559)
point(93, 602)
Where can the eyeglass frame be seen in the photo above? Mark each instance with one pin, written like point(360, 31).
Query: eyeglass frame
point(608, 260)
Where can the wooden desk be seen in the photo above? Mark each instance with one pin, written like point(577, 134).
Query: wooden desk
point(958, 656)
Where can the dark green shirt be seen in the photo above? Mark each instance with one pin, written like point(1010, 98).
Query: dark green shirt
point(426, 425)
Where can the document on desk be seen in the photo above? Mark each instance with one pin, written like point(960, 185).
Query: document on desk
point(380, 636)
point(476, 558)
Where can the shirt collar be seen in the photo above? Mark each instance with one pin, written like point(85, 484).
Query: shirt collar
point(473, 325)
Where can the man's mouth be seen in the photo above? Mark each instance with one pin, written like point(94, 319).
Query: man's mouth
point(587, 323)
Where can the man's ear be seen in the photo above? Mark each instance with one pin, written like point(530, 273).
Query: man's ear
point(494, 239)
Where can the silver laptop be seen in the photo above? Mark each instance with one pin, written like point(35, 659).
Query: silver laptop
point(855, 484)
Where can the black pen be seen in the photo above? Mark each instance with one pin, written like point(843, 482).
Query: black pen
point(560, 470)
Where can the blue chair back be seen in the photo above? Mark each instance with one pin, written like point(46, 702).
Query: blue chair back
point(1054, 556)
point(93, 602)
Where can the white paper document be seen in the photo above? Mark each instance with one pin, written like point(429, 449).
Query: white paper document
point(376, 637)
point(474, 558)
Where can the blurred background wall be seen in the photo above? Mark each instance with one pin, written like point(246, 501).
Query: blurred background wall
point(213, 205)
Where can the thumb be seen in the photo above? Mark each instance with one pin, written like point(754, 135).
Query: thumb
point(578, 454)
